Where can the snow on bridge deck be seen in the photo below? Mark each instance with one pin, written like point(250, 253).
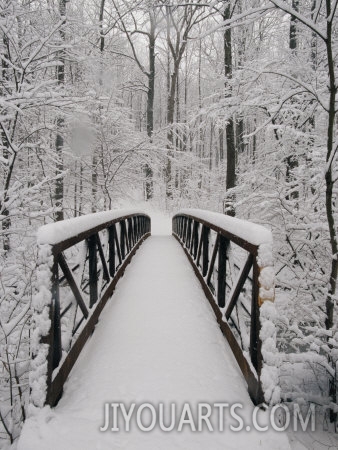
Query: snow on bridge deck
point(157, 341)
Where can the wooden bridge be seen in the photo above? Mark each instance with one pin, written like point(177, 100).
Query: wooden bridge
point(157, 333)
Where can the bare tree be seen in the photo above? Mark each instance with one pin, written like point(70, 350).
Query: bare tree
point(229, 129)
point(180, 21)
point(60, 122)
point(150, 32)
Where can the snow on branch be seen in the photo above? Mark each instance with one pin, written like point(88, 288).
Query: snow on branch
point(239, 19)
point(309, 23)
point(333, 12)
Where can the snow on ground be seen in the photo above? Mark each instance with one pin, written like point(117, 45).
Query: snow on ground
point(313, 440)
point(157, 341)
point(160, 224)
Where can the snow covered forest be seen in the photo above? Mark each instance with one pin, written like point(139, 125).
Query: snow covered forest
point(229, 106)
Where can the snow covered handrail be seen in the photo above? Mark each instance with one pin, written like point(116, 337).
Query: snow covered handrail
point(237, 280)
point(92, 252)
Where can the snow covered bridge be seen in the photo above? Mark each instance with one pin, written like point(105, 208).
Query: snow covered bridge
point(157, 360)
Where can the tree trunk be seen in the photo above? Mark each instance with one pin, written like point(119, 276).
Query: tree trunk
point(329, 175)
point(229, 208)
point(240, 146)
point(150, 104)
point(292, 161)
point(293, 40)
point(239, 135)
point(314, 38)
point(94, 181)
point(330, 198)
point(60, 75)
point(95, 155)
point(221, 145)
point(5, 223)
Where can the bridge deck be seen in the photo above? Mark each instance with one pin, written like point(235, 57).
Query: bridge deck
point(157, 341)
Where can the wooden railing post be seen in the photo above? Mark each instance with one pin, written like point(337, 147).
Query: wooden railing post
point(185, 227)
point(123, 238)
point(195, 239)
point(222, 258)
point(137, 228)
point(255, 345)
point(55, 316)
point(143, 225)
point(205, 245)
point(93, 293)
point(111, 243)
point(189, 234)
point(130, 236)
point(134, 231)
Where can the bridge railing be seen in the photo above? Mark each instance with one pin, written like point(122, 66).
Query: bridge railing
point(232, 260)
point(80, 262)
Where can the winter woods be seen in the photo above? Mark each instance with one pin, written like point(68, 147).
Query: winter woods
point(223, 105)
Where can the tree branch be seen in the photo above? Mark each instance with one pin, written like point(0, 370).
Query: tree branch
point(309, 23)
point(138, 62)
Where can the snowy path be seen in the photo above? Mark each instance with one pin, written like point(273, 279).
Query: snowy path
point(157, 341)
